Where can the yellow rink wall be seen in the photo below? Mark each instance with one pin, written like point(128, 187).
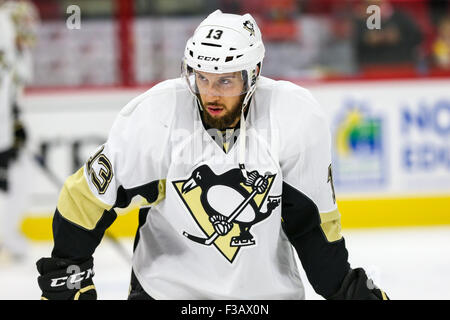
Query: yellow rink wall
point(395, 212)
point(356, 213)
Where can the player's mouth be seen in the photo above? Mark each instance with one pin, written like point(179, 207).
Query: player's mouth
point(214, 109)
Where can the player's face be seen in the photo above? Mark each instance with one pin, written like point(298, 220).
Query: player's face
point(221, 97)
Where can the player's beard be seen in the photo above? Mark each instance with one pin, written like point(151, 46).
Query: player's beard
point(225, 121)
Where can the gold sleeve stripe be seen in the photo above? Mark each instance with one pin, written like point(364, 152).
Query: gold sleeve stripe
point(384, 295)
point(330, 222)
point(78, 204)
point(161, 194)
point(83, 290)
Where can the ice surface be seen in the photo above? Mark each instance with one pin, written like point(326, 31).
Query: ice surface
point(408, 263)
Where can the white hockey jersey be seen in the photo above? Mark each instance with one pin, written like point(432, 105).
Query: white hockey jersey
point(211, 232)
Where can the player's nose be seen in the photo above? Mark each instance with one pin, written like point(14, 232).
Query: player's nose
point(212, 91)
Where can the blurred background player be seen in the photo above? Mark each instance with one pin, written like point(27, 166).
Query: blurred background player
point(396, 42)
point(6, 127)
point(24, 18)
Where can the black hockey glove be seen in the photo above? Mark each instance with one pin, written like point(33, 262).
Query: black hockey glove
point(4, 160)
point(61, 279)
point(20, 137)
point(357, 286)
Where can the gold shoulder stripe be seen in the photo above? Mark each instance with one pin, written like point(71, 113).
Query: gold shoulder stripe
point(78, 204)
point(330, 222)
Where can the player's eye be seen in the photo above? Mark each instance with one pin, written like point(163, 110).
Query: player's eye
point(201, 78)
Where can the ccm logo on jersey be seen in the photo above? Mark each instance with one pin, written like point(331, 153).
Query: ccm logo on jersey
point(207, 58)
point(72, 279)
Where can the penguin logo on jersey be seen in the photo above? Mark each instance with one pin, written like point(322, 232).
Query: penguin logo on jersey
point(226, 206)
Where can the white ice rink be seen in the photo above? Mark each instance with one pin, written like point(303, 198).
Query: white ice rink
point(408, 263)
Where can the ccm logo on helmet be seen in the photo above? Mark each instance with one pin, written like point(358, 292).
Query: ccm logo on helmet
point(207, 58)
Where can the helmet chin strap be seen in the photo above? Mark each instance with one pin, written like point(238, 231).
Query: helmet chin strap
point(243, 133)
point(242, 136)
point(243, 125)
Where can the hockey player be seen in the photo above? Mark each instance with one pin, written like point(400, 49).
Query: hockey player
point(7, 58)
point(24, 19)
point(236, 172)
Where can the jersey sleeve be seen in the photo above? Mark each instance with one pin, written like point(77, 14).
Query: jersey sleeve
point(127, 165)
point(310, 217)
